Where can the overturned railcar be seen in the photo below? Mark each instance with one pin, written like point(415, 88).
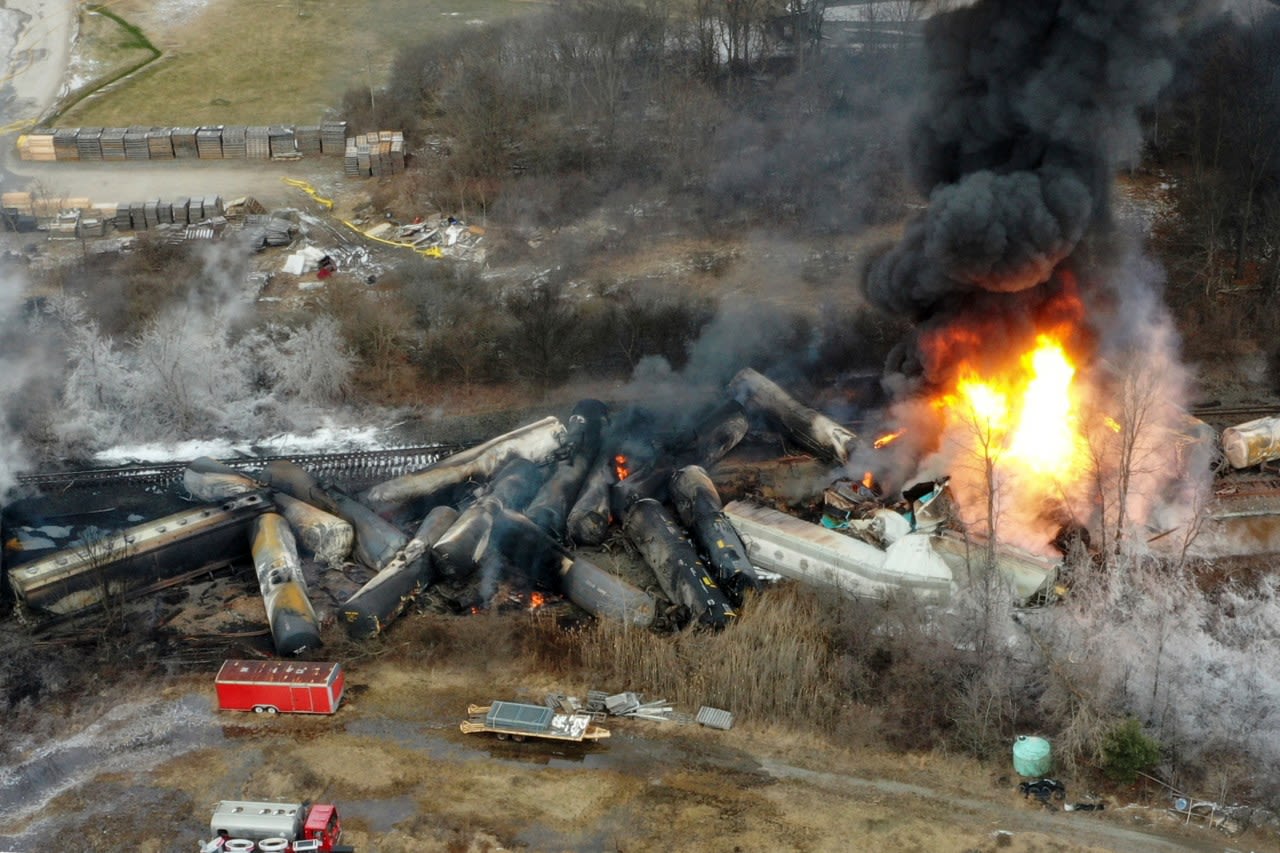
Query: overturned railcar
point(90, 573)
point(294, 626)
point(676, 564)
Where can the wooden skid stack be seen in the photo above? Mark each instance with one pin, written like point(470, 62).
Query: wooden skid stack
point(18, 202)
point(258, 143)
point(282, 143)
point(307, 138)
point(64, 144)
point(37, 145)
point(374, 154)
point(136, 146)
point(233, 142)
point(89, 143)
point(333, 137)
point(113, 143)
point(209, 142)
point(160, 143)
point(184, 143)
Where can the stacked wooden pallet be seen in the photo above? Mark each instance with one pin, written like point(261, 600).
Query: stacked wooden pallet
point(282, 143)
point(64, 144)
point(333, 137)
point(89, 143)
point(135, 143)
point(258, 143)
point(307, 137)
point(279, 142)
point(113, 143)
point(233, 142)
point(37, 145)
point(19, 202)
point(374, 154)
point(160, 143)
point(184, 142)
point(209, 142)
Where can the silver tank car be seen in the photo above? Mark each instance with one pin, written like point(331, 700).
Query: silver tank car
point(377, 540)
point(210, 480)
point(536, 442)
point(814, 430)
point(325, 535)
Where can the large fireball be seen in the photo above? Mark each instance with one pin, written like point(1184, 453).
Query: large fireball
point(1018, 438)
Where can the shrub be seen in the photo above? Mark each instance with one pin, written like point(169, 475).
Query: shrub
point(1127, 750)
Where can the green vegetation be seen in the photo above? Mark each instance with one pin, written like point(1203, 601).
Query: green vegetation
point(1128, 751)
point(113, 55)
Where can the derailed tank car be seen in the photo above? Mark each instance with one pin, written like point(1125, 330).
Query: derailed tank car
point(88, 573)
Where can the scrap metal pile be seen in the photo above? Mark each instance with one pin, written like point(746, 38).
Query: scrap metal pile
point(517, 515)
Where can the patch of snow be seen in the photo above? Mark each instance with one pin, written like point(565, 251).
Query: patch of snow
point(327, 439)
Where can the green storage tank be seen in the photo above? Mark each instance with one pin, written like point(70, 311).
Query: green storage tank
point(1032, 756)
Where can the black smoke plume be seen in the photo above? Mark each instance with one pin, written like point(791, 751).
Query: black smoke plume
point(1030, 109)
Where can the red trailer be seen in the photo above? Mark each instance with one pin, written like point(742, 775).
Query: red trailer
point(271, 686)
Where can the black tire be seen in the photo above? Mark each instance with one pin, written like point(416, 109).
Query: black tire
point(502, 735)
point(518, 738)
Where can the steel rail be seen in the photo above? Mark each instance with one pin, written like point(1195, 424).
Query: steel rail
point(345, 465)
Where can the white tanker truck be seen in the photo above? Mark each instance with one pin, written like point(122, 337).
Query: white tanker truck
point(243, 826)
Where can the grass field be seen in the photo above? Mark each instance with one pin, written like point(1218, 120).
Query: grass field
point(264, 61)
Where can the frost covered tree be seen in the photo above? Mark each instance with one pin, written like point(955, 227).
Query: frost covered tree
point(189, 375)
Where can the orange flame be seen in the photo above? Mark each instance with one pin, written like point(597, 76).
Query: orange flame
point(1022, 425)
point(888, 438)
point(536, 600)
point(620, 469)
point(869, 480)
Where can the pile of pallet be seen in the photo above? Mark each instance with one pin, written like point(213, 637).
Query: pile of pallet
point(209, 142)
point(160, 143)
point(333, 137)
point(112, 140)
point(37, 145)
point(36, 205)
point(374, 154)
point(144, 215)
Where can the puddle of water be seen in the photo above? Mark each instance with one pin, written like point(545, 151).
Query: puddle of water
point(381, 815)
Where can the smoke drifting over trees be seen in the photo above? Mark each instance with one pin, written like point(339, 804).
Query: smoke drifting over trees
point(1030, 109)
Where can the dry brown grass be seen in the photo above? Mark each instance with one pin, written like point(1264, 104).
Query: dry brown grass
point(777, 663)
point(268, 62)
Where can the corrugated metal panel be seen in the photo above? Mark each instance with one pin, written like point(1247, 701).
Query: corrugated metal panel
point(715, 718)
point(519, 717)
point(277, 672)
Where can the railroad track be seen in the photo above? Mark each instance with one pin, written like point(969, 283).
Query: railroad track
point(1235, 414)
point(350, 465)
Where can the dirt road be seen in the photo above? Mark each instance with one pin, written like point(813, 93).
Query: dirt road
point(35, 39)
